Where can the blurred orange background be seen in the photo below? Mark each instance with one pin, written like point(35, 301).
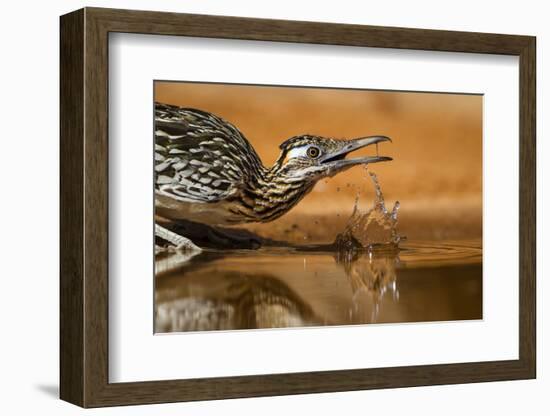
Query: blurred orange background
point(436, 173)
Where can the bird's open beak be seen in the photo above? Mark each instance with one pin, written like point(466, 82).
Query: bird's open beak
point(337, 160)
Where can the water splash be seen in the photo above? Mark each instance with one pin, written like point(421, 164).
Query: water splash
point(375, 227)
point(368, 250)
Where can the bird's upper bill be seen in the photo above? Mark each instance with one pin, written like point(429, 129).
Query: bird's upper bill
point(337, 161)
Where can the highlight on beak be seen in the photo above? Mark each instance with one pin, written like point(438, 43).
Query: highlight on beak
point(366, 141)
point(338, 159)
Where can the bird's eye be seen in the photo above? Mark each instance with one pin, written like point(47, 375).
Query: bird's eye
point(313, 152)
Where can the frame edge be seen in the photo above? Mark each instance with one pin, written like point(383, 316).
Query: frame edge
point(528, 208)
point(71, 290)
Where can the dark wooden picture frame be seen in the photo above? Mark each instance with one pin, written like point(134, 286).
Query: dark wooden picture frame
point(84, 207)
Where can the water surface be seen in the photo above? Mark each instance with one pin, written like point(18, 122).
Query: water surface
point(292, 287)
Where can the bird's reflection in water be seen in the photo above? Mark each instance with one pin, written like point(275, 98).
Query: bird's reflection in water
point(231, 301)
point(207, 295)
point(287, 287)
point(372, 275)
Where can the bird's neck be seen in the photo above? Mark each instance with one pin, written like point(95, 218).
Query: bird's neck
point(270, 195)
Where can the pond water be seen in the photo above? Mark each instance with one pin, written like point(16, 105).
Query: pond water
point(312, 286)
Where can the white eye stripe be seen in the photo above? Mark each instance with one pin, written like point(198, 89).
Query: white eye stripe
point(301, 152)
point(297, 152)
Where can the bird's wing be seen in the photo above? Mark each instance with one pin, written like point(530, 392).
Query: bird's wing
point(199, 157)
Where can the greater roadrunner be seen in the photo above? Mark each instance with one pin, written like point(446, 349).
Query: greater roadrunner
point(206, 171)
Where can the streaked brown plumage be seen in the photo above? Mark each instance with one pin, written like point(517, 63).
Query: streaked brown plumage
point(207, 171)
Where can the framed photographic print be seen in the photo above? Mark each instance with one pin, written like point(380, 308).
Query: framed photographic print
point(255, 207)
